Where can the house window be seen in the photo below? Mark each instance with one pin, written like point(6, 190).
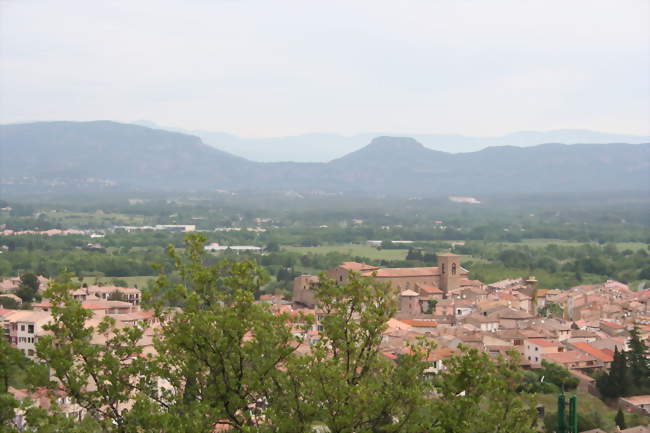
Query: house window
point(22, 327)
point(453, 269)
point(30, 329)
point(443, 268)
point(30, 352)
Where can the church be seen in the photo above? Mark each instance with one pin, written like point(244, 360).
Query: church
point(425, 283)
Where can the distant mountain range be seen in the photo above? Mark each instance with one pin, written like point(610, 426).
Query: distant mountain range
point(109, 155)
point(323, 147)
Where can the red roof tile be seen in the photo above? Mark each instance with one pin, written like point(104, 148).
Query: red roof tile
point(429, 289)
point(543, 343)
point(407, 272)
point(596, 353)
point(568, 356)
point(420, 323)
point(357, 267)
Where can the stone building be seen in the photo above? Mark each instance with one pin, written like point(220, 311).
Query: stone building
point(428, 283)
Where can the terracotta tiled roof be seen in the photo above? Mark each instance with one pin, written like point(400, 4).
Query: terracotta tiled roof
point(429, 289)
point(543, 343)
point(596, 353)
point(638, 399)
point(29, 316)
point(111, 289)
point(608, 352)
point(441, 353)
point(357, 267)
point(514, 314)
point(407, 272)
point(568, 356)
point(420, 323)
point(409, 293)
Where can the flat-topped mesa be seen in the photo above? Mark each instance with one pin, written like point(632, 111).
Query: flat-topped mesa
point(386, 143)
point(425, 281)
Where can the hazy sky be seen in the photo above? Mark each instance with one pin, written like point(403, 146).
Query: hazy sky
point(273, 67)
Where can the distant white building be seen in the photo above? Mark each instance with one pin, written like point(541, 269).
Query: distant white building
point(176, 227)
point(215, 247)
point(460, 199)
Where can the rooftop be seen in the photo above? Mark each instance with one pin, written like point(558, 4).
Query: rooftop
point(357, 267)
point(407, 272)
point(593, 351)
point(568, 356)
point(543, 343)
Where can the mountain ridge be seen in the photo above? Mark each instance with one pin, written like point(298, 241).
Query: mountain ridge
point(134, 157)
point(325, 147)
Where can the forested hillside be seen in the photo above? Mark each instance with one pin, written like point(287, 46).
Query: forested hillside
point(64, 156)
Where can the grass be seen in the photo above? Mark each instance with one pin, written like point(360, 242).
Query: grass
point(353, 250)
point(141, 280)
point(73, 219)
point(539, 243)
point(588, 405)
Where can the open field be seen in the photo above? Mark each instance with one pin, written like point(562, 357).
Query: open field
point(82, 219)
point(352, 249)
point(544, 242)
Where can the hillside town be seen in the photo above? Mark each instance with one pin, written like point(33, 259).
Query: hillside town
point(580, 329)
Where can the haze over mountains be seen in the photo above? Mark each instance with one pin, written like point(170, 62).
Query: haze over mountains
point(56, 156)
point(324, 147)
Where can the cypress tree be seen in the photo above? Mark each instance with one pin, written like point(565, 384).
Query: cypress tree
point(620, 419)
point(614, 384)
point(639, 366)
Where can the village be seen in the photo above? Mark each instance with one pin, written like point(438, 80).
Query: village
point(580, 329)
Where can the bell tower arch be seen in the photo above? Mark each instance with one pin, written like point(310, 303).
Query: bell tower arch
point(449, 265)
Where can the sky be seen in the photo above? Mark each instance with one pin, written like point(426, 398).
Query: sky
point(260, 68)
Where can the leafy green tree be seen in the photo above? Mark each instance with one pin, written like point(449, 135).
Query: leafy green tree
point(284, 274)
point(237, 346)
point(28, 287)
point(117, 296)
point(558, 375)
point(644, 274)
point(551, 309)
point(344, 383)
point(97, 364)
point(6, 302)
point(477, 394)
point(273, 246)
point(8, 406)
point(15, 368)
point(226, 359)
point(414, 254)
point(11, 360)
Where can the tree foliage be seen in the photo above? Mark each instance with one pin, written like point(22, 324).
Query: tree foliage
point(224, 359)
point(629, 373)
